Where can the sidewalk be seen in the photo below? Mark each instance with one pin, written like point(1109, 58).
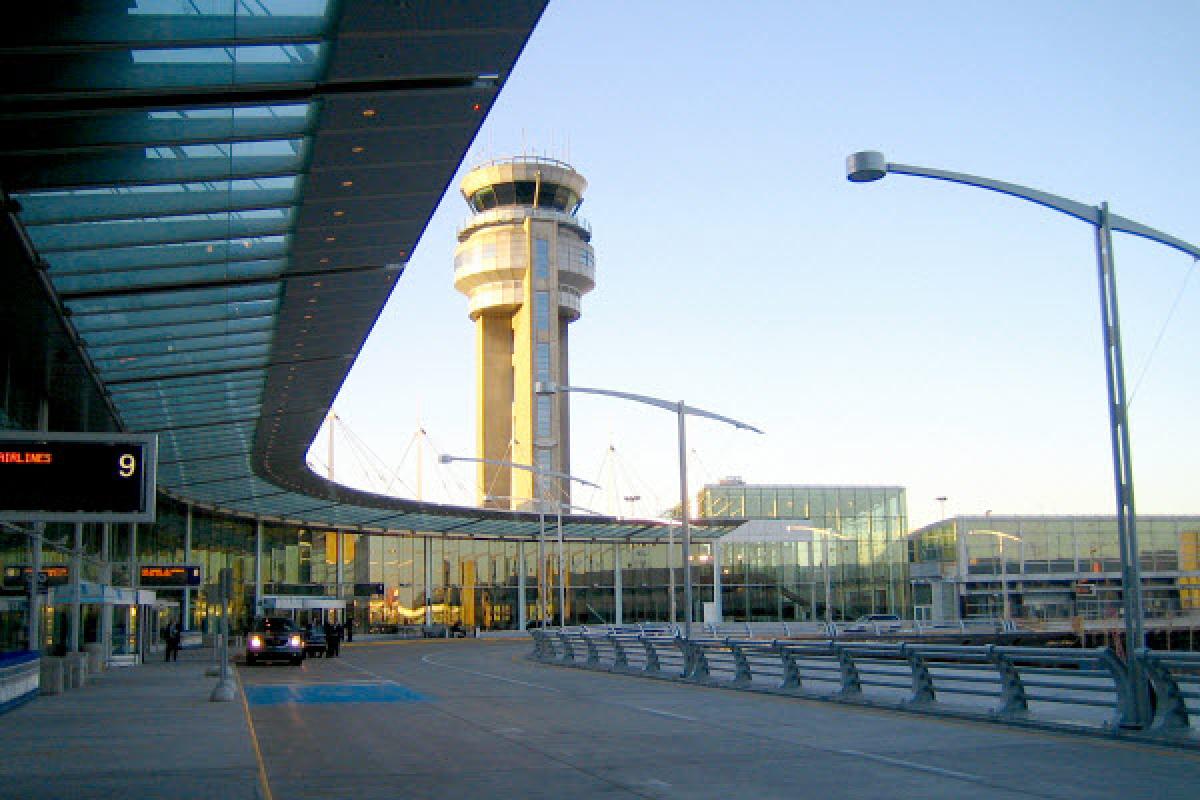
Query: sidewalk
point(132, 733)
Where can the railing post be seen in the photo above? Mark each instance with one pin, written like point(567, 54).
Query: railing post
point(1126, 714)
point(593, 657)
point(851, 681)
point(695, 663)
point(791, 670)
point(743, 676)
point(621, 659)
point(653, 667)
point(922, 681)
point(568, 655)
point(1013, 701)
point(1171, 713)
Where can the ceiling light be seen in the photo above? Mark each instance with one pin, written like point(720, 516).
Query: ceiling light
point(331, 238)
point(339, 213)
point(357, 149)
point(316, 284)
point(347, 184)
point(368, 112)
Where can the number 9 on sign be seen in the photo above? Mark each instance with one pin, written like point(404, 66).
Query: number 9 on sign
point(127, 465)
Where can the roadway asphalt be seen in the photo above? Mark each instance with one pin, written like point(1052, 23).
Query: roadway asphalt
point(476, 719)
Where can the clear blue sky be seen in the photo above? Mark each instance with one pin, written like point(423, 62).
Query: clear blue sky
point(907, 332)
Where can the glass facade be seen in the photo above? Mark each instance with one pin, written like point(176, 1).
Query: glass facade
point(858, 543)
point(1033, 568)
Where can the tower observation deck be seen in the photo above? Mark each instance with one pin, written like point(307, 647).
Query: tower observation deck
point(524, 261)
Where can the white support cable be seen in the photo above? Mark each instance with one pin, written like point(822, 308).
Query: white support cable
point(1154, 348)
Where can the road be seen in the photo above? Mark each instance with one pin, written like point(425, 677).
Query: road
point(475, 719)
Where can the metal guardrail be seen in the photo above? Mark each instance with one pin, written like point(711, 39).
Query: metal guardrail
point(1086, 689)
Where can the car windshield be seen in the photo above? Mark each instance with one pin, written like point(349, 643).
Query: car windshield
point(275, 625)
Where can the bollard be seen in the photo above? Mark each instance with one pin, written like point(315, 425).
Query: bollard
point(95, 657)
point(76, 670)
point(52, 675)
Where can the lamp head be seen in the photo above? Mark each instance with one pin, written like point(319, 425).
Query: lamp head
point(865, 165)
point(445, 459)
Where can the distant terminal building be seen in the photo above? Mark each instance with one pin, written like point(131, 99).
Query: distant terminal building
point(1051, 567)
point(850, 539)
point(524, 261)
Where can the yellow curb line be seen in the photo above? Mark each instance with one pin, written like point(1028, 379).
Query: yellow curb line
point(263, 783)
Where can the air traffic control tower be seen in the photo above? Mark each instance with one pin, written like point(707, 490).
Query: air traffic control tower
point(524, 261)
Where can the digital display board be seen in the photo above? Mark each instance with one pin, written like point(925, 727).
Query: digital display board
point(17, 575)
point(166, 576)
point(77, 477)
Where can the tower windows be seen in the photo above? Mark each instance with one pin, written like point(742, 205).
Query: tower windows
point(543, 362)
point(541, 258)
point(545, 417)
point(541, 310)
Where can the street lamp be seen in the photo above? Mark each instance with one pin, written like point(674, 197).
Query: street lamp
point(870, 165)
point(1001, 535)
point(682, 411)
point(825, 534)
point(539, 474)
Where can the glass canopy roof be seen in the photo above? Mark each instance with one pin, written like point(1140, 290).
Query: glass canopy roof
point(201, 180)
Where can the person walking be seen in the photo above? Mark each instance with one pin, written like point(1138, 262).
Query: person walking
point(331, 640)
point(172, 635)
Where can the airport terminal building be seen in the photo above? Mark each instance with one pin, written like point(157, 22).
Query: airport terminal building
point(203, 209)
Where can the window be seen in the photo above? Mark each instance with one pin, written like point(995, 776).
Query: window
point(543, 362)
point(545, 417)
point(541, 258)
point(541, 310)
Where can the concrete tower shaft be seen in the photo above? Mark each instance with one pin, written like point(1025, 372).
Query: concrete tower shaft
point(524, 261)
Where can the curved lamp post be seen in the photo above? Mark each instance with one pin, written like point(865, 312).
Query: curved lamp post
point(539, 474)
point(870, 165)
point(683, 411)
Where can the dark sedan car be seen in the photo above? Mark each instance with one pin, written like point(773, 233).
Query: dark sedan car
point(274, 639)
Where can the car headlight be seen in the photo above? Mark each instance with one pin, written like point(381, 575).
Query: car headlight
point(294, 641)
point(255, 642)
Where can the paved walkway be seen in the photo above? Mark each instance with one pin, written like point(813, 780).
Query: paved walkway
point(475, 719)
point(132, 733)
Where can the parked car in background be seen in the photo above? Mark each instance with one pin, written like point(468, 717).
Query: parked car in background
point(314, 642)
point(274, 639)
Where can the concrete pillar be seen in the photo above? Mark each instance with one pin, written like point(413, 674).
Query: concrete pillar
point(716, 564)
point(35, 554)
point(186, 622)
point(258, 583)
point(75, 621)
point(340, 557)
point(106, 578)
point(428, 581)
point(522, 620)
point(618, 587)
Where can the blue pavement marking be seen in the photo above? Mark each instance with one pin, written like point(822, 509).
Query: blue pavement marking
point(331, 693)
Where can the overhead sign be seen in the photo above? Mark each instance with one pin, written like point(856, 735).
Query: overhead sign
point(166, 576)
point(77, 477)
point(368, 589)
point(17, 576)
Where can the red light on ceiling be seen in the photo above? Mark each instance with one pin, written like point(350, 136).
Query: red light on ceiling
point(476, 107)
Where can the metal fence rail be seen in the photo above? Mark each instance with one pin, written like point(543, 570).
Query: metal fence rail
point(1086, 689)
